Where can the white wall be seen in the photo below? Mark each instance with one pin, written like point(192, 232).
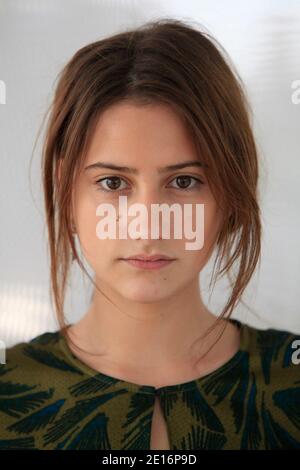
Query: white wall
point(37, 37)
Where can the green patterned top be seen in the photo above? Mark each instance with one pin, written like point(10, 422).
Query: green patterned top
point(49, 399)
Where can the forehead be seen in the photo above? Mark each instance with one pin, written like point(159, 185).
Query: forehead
point(148, 134)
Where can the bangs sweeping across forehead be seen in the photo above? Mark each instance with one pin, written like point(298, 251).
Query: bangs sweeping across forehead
point(175, 63)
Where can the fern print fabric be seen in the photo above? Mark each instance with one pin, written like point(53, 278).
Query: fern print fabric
point(50, 400)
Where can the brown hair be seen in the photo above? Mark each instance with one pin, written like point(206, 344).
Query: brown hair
point(163, 61)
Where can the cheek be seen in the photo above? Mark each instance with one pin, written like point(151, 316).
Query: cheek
point(94, 249)
point(100, 254)
point(212, 223)
point(208, 229)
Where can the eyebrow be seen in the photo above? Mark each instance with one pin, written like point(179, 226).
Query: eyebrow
point(134, 171)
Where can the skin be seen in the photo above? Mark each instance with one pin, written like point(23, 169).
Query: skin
point(147, 339)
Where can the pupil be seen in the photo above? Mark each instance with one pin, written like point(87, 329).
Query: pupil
point(184, 178)
point(115, 184)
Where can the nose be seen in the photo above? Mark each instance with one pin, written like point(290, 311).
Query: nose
point(140, 208)
point(149, 195)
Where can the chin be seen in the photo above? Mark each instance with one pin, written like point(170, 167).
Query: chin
point(143, 292)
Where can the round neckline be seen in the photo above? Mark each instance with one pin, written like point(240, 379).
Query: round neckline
point(119, 383)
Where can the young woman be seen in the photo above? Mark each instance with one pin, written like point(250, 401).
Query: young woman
point(156, 115)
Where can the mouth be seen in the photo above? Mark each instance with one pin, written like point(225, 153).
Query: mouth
point(150, 263)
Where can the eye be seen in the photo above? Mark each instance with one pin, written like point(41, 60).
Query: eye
point(184, 180)
point(112, 181)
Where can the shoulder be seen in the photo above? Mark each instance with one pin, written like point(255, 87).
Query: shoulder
point(22, 352)
point(34, 388)
point(33, 361)
point(274, 359)
point(275, 352)
point(273, 383)
point(25, 385)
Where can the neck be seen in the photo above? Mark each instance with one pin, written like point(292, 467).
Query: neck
point(148, 336)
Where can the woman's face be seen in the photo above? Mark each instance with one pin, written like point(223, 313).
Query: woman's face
point(146, 139)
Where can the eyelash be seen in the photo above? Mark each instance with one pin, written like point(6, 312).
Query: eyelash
point(99, 188)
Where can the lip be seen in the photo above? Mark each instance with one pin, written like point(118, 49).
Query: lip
point(149, 261)
point(155, 257)
point(143, 264)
